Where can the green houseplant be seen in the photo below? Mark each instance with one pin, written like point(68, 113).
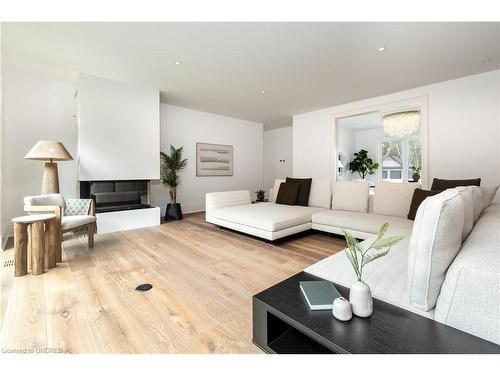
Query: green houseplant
point(261, 195)
point(362, 164)
point(416, 173)
point(170, 166)
point(359, 256)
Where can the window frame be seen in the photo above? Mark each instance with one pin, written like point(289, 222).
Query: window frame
point(376, 105)
point(405, 157)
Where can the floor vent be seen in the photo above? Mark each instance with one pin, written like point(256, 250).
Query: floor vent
point(9, 263)
point(143, 287)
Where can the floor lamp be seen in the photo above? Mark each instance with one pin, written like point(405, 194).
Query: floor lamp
point(50, 152)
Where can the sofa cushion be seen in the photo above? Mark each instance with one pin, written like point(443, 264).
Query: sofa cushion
point(304, 189)
point(393, 198)
point(418, 197)
point(320, 194)
point(288, 192)
point(440, 184)
point(266, 216)
point(276, 188)
point(350, 196)
point(470, 294)
point(489, 193)
point(387, 276)
point(435, 241)
point(466, 196)
point(360, 221)
point(477, 202)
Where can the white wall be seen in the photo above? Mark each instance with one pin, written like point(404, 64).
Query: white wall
point(346, 146)
point(184, 127)
point(277, 146)
point(119, 127)
point(34, 108)
point(464, 127)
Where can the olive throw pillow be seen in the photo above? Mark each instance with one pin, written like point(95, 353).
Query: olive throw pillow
point(439, 184)
point(304, 189)
point(287, 194)
point(418, 197)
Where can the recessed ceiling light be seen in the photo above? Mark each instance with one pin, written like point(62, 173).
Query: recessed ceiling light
point(178, 62)
point(380, 49)
point(262, 92)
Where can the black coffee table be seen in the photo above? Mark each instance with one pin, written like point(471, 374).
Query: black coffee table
point(284, 324)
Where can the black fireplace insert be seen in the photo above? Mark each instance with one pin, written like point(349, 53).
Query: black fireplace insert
point(117, 195)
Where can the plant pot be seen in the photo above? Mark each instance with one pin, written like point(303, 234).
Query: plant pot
point(173, 212)
point(360, 297)
point(415, 177)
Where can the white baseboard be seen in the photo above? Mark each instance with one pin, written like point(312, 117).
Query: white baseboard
point(187, 208)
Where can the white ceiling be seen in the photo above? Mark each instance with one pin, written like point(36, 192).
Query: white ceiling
point(225, 66)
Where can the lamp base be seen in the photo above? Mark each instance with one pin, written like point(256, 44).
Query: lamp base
point(50, 181)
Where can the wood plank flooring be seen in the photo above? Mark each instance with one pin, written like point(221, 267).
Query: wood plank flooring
point(203, 279)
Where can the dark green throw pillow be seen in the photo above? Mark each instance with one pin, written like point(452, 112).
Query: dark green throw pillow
point(304, 189)
point(287, 193)
point(439, 184)
point(418, 197)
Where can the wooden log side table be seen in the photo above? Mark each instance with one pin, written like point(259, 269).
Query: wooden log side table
point(43, 236)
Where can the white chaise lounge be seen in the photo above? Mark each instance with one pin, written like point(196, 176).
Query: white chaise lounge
point(234, 210)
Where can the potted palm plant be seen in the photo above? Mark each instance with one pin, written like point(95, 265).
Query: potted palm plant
point(170, 166)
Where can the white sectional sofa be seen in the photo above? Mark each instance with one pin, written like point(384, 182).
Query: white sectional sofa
point(446, 268)
point(359, 213)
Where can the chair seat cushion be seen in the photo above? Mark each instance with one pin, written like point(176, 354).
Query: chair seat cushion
point(267, 216)
point(362, 222)
point(68, 222)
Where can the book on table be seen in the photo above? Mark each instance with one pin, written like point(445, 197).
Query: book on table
point(319, 294)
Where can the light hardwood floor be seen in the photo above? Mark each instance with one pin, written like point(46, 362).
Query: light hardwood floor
point(203, 278)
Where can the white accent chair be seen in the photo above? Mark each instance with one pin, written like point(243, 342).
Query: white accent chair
point(72, 215)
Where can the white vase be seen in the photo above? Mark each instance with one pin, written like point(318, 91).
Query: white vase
point(361, 299)
point(342, 309)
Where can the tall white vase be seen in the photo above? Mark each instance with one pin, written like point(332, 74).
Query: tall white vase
point(360, 297)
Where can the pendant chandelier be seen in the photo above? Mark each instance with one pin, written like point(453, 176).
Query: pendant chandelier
point(401, 124)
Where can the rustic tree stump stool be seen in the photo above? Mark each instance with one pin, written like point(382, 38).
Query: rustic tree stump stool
point(42, 243)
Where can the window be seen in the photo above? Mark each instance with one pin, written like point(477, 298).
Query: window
point(397, 155)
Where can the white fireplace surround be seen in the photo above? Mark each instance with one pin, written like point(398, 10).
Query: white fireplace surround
point(118, 130)
point(119, 139)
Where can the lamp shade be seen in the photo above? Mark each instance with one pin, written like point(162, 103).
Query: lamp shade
point(48, 150)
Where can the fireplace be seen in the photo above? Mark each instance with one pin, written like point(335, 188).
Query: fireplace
point(119, 195)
